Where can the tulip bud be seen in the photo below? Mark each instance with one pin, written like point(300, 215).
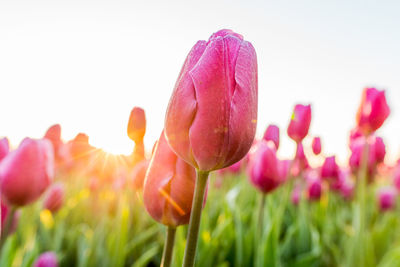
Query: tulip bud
point(354, 134)
point(5, 212)
point(47, 259)
point(387, 198)
point(314, 187)
point(139, 174)
point(300, 162)
point(54, 199)
point(137, 125)
point(53, 134)
point(169, 186)
point(357, 148)
point(212, 114)
point(4, 148)
point(316, 145)
point(263, 167)
point(299, 123)
point(272, 134)
point(26, 172)
point(330, 169)
point(373, 110)
point(380, 149)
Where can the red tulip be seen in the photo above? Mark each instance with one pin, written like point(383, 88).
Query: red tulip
point(330, 169)
point(4, 148)
point(54, 199)
point(137, 125)
point(299, 123)
point(263, 167)
point(47, 259)
point(26, 172)
point(373, 110)
point(169, 186)
point(139, 174)
point(316, 145)
point(212, 114)
point(272, 134)
point(387, 198)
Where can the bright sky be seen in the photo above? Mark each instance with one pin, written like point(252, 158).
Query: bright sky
point(85, 64)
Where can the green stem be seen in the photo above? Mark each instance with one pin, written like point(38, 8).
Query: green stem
point(195, 216)
point(261, 215)
point(168, 247)
point(7, 226)
point(362, 204)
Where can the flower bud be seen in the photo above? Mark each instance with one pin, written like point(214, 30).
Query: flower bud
point(54, 199)
point(316, 145)
point(387, 198)
point(299, 123)
point(47, 259)
point(137, 125)
point(4, 148)
point(272, 134)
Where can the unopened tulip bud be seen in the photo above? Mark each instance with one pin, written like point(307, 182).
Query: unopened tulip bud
point(272, 134)
point(387, 198)
point(54, 199)
point(380, 149)
point(53, 134)
point(330, 169)
point(137, 125)
point(47, 259)
point(373, 110)
point(316, 145)
point(26, 172)
point(299, 123)
point(212, 115)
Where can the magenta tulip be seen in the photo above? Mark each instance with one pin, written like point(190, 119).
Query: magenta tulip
point(272, 134)
point(54, 199)
point(4, 148)
point(314, 188)
point(47, 259)
point(330, 169)
point(300, 122)
point(26, 172)
point(300, 162)
point(379, 149)
point(316, 145)
point(387, 198)
point(212, 114)
point(263, 167)
point(354, 134)
point(169, 186)
point(137, 124)
point(356, 148)
point(373, 110)
point(346, 184)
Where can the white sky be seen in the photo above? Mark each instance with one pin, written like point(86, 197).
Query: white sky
point(85, 64)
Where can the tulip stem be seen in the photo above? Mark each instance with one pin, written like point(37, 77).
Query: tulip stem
point(195, 216)
point(168, 247)
point(261, 215)
point(7, 226)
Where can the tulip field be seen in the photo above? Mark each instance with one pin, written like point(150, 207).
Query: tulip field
point(209, 192)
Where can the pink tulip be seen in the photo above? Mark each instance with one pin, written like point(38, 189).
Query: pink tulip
point(380, 149)
point(396, 177)
point(346, 184)
point(373, 110)
point(26, 172)
point(53, 134)
point(300, 162)
point(330, 169)
point(354, 134)
point(263, 167)
point(5, 212)
point(295, 197)
point(47, 259)
point(137, 124)
point(272, 134)
point(54, 199)
point(139, 174)
point(316, 145)
point(212, 115)
point(299, 123)
point(314, 188)
point(235, 168)
point(283, 168)
point(4, 148)
point(169, 186)
point(357, 148)
point(387, 198)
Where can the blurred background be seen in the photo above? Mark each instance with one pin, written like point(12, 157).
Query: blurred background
point(85, 64)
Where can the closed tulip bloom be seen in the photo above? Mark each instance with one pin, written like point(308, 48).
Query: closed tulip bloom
point(300, 162)
point(373, 110)
point(387, 198)
point(26, 172)
point(137, 124)
point(212, 115)
point(53, 134)
point(4, 147)
point(47, 259)
point(272, 134)
point(139, 174)
point(316, 145)
point(300, 122)
point(380, 149)
point(356, 153)
point(330, 169)
point(314, 189)
point(54, 199)
point(263, 167)
point(169, 186)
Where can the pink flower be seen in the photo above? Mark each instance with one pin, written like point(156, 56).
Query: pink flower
point(53, 134)
point(169, 186)
point(373, 110)
point(314, 187)
point(137, 124)
point(387, 198)
point(4, 148)
point(299, 123)
point(26, 172)
point(295, 197)
point(316, 145)
point(47, 259)
point(330, 169)
point(212, 114)
point(300, 162)
point(272, 134)
point(380, 149)
point(346, 185)
point(54, 199)
point(357, 148)
point(263, 167)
